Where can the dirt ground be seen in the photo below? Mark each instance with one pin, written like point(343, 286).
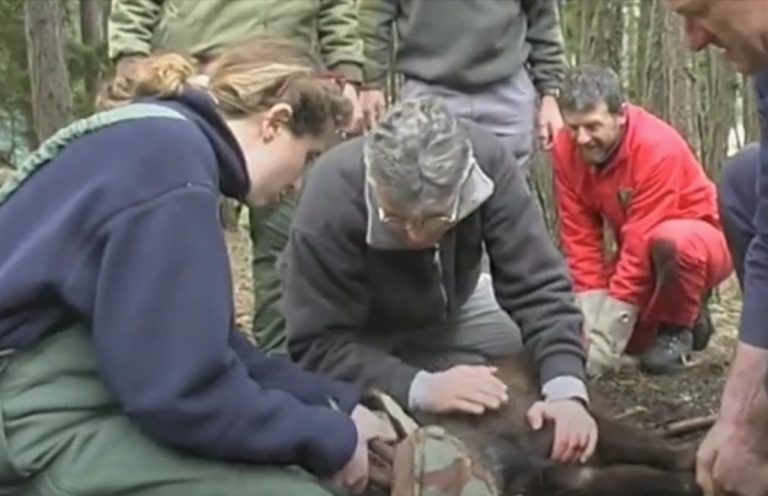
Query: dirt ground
point(652, 401)
point(642, 400)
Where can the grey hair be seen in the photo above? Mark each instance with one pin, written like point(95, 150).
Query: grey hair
point(419, 153)
point(587, 86)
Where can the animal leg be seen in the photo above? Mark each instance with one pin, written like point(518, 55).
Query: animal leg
point(627, 480)
point(619, 443)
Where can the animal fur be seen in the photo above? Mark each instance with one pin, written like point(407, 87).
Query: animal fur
point(627, 461)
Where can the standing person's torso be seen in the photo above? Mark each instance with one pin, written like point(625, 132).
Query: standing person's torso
point(205, 26)
point(648, 140)
point(461, 43)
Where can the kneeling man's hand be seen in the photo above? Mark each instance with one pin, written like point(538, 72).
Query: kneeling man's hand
point(575, 429)
point(463, 388)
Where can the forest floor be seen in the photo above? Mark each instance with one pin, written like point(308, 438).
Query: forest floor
point(646, 401)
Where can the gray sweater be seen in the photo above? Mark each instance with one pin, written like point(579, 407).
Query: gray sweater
point(341, 295)
point(463, 44)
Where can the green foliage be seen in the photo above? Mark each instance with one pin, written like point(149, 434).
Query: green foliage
point(16, 135)
point(83, 61)
point(15, 107)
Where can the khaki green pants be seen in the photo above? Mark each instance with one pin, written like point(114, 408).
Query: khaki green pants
point(61, 434)
point(269, 235)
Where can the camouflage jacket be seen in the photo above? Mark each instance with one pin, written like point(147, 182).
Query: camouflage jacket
point(328, 27)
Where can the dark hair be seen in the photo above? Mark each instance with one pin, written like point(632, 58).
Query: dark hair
point(587, 86)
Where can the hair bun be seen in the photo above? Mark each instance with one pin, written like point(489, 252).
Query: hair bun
point(163, 75)
point(159, 75)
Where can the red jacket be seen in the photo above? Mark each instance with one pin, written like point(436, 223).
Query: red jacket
point(652, 177)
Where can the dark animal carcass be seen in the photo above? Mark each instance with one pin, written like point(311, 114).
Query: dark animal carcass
point(627, 461)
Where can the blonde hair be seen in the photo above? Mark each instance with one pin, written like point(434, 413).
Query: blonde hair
point(245, 79)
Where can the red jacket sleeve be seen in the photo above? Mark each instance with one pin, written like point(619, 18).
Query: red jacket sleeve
point(654, 197)
point(581, 230)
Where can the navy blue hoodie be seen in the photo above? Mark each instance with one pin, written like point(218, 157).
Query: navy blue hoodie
point(120, 232)
point(754, 317)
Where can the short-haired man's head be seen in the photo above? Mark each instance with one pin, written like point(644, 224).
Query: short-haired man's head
point(417, 160)
point(586, 87)
point(593, 106)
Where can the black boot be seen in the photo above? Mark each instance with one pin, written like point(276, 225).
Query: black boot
point(670, 352)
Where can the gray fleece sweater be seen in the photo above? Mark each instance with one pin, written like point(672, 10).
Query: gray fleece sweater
point(463, 44)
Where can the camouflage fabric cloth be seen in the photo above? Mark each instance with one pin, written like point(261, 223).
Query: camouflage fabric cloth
point(426, 461)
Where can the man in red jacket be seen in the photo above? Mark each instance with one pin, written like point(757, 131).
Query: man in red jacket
point(619, 166)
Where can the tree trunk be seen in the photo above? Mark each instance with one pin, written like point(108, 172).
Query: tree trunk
point(680, 107)
point(91, 24)
point(105, 11)
point(717, 113)
point(49, 76)
point(749, 119)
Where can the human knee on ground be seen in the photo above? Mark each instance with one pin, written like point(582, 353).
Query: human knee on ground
point(688, 259)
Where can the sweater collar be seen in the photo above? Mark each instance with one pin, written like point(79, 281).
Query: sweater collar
point(200, 108)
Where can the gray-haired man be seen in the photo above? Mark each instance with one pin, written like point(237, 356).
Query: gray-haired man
point(382, 284)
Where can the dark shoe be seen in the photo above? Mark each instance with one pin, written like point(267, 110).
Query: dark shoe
point(703, 328)
point(669, 353)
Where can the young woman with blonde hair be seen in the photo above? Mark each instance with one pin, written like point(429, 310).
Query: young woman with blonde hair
point(120, 371)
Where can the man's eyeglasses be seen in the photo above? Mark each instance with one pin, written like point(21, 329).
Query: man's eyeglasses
point(429, 223)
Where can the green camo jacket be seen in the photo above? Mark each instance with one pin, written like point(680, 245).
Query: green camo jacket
point(202, 27)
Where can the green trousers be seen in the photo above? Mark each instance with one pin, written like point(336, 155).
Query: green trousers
point(62, 434)
point(269, 235)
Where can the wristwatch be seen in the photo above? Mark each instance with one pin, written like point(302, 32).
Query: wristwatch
point(553, 92)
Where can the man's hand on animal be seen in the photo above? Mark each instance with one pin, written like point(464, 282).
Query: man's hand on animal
point(727, 462)
point(550, 121)
point(575, 429)
point(470, 389)
point(732, 458)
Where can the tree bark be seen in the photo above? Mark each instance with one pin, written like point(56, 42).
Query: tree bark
point(49, 76)
point(91, 24)
point(749, 119)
